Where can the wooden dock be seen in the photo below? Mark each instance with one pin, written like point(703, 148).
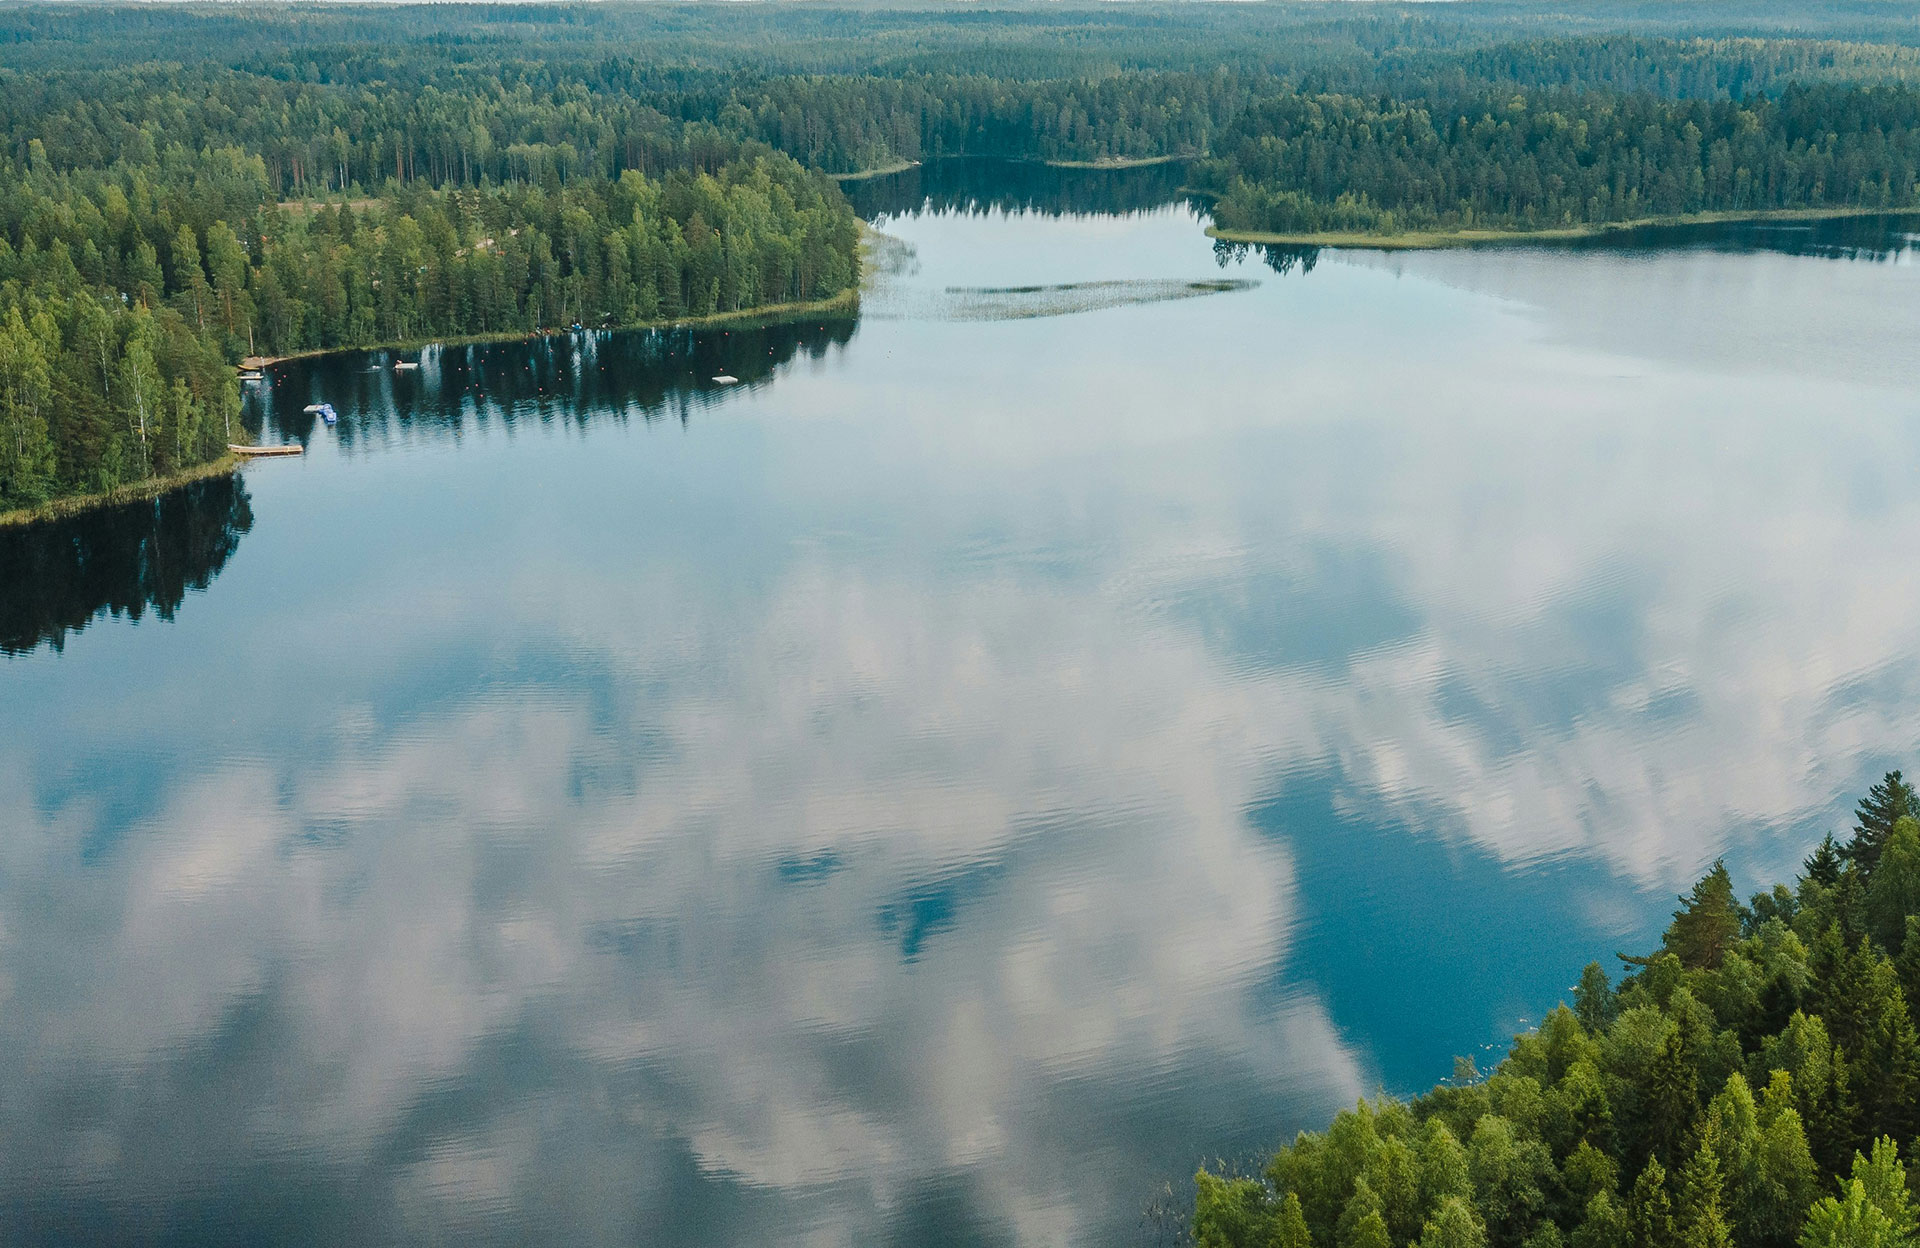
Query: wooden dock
point(291, 448)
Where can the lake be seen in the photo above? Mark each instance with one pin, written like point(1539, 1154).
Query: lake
point(1107, 706)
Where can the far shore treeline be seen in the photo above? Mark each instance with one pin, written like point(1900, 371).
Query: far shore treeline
point(1754, 1082)
point(185, 186)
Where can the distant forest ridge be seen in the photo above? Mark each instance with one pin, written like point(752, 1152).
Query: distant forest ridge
point(497, 169)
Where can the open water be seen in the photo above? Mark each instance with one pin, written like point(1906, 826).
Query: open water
point(1108, 705)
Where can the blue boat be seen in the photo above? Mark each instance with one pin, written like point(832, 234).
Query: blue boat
point(324, 411)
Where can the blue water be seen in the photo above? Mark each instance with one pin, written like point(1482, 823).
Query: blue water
point(1012, 745)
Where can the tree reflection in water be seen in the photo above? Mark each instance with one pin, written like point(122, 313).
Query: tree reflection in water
point(126, 559)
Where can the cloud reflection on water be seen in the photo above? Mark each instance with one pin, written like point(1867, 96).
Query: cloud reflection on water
point(936, 790)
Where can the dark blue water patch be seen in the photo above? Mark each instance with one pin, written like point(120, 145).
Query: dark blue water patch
point(1497, 730)
point(1671, 706)
point(1408, 933)
point(810, 868)
point(1894, 683)
point(930, 907)
point(946, 1214)
point(1340, 604)
point(123, 788)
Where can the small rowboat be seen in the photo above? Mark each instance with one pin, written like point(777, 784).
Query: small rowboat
point(290, 448)
point(401, 366)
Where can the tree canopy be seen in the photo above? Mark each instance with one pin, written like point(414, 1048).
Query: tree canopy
point(1632, 1120)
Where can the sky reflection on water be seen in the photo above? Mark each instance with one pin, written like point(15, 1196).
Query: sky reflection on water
point(936, 792)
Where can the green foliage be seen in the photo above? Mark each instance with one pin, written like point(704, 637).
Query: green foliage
point(1453, 1225)
point(1540, 159)
point(114, 367)
point(1707, 923)
point(1894, 889)
point(531, 169)
point(1884, 806)
point(1631, 1121)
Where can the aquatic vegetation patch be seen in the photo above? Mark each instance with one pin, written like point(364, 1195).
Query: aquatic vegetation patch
point(1014, 303)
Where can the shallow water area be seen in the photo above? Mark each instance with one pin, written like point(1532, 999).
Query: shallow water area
point(1109, 704)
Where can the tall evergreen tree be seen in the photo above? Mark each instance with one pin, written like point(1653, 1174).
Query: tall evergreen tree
point(1650, 1209)
point(1707, 923)
point(1885, 804)
point(1823, 865)
point(1703, 1214)
point(1593, 1000)
point(1893, 891)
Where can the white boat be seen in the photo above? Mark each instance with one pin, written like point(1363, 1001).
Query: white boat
point(403, 365)
point(727, 379)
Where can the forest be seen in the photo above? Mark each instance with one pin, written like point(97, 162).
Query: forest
point(1754, 1081)
point(180, 188)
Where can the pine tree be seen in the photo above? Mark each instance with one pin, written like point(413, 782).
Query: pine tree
point(1885, 804)
point(1672, 1099)
point(1603, 1225)
point(1707, 923)
point(1289, 1226)
point(1789, 1179)
point(1703, 1214)
point(1823, 865)
point(1907, 965)
point(1593, 999)
point(1650, 1209)
point(1893, 890)
point(1734, 1121)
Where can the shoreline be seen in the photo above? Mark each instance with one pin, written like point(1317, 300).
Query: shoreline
point(139, 491)
point(767, 312)
point(1434, 240)
point(1118, 162)
point(879, 171)
point(74, 504)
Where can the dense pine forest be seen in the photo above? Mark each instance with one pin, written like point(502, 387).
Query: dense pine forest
point(1755, 1081)
point(183, 187)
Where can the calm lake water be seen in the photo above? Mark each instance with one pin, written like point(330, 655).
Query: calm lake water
point(1110, 705)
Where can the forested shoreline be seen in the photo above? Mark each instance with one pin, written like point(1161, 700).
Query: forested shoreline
point(1754, 1081)
point(183, 187)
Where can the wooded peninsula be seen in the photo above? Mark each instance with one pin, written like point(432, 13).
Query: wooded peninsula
point(1754, 1081)
point(184, 187)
